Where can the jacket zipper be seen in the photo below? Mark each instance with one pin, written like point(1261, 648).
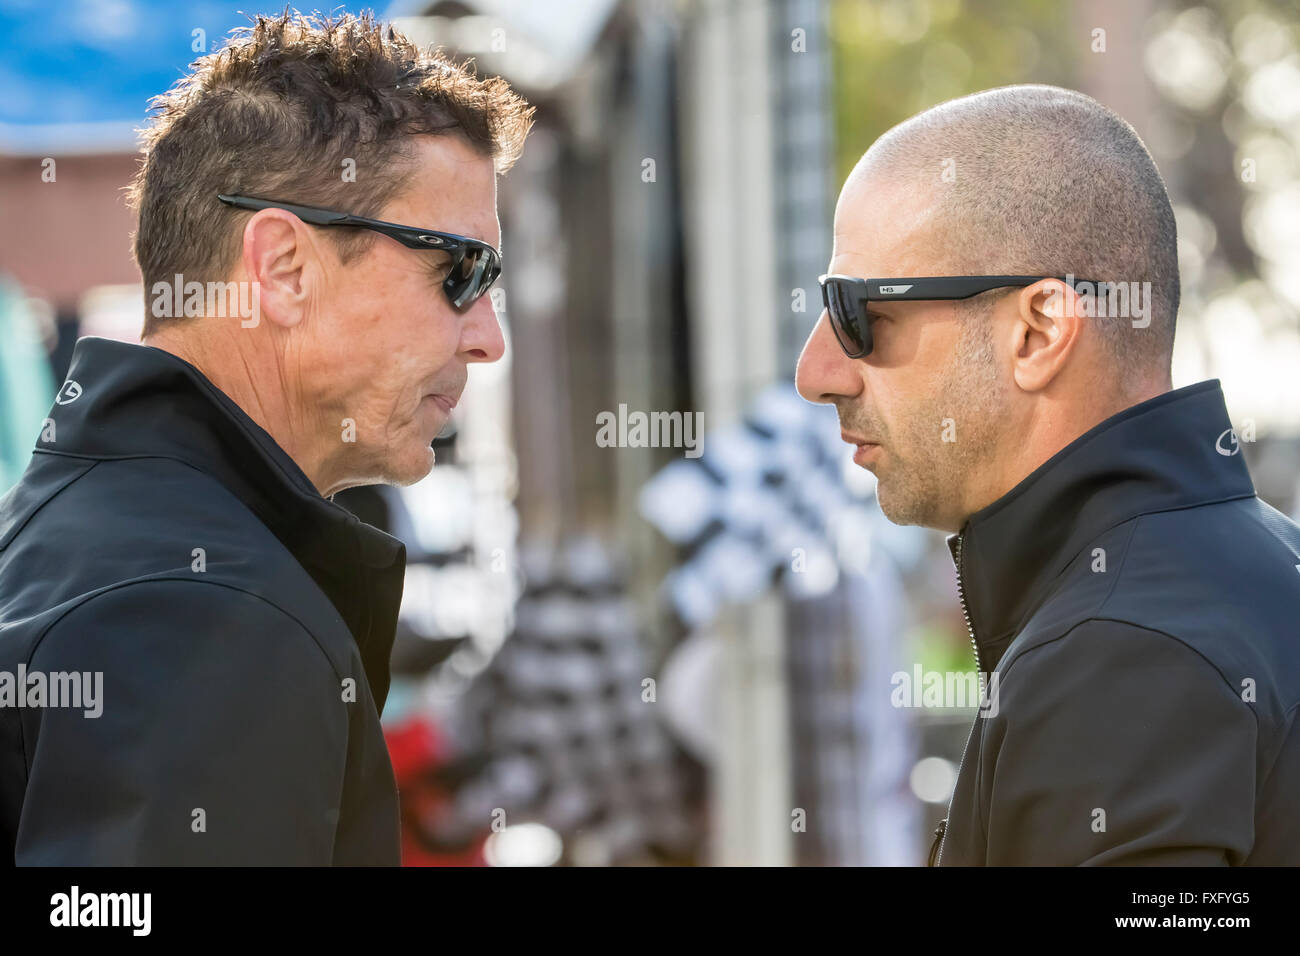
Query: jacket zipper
point(970, 627)
point(938, 841)
point(941, 831)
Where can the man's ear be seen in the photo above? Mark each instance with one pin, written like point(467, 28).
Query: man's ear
point(1046, 328)
point(280, 257)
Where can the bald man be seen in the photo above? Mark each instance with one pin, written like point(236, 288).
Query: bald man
point(997, 339)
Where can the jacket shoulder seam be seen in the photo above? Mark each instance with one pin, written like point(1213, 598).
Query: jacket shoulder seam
point(172, 579)
point(1134, 519)
point(979, 790)
point(87, 599)
point(8, 537)
point(1100, 619)
point(1123, 560)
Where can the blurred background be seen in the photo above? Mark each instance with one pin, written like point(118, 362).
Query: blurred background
point(646, 655)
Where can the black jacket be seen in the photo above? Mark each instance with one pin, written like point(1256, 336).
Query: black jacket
point(241, 622)
point(1139, 608)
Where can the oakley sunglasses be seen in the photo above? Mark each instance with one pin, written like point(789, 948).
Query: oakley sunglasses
point(475, 265)
point(848, 299)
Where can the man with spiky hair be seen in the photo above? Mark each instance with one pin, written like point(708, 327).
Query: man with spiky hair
point(997, 341)
point(317, 234)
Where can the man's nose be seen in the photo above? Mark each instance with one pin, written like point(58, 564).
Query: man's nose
point(481, 339)
point(824, 372)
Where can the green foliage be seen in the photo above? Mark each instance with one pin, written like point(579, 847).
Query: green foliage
point(894, 58)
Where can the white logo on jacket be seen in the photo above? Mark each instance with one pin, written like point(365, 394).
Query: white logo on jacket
point(1218, 445)
point(69, 393)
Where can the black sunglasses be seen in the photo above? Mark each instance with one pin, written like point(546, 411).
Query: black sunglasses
point(847, 299)
point(475, 264)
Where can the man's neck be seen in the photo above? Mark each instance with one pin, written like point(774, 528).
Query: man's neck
point(260, 391)
point(1050, 429)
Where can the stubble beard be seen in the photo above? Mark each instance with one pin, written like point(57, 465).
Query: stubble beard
point(933, 452)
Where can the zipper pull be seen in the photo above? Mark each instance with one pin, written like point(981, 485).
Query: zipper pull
point(938, 840)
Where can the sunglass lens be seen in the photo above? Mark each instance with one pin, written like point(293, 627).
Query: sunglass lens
point(472, 275)
point(848, 319)
point(491, 272)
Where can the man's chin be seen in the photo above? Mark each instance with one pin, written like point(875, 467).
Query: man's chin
point(895, 514)
point(899, 509)
point(922, 513)
point(410, 468)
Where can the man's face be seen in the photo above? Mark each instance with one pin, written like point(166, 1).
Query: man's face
point(923, 406)
point(390, 352)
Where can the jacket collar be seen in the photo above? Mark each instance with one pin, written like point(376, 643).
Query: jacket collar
point(123, 400)
point(1173, 451)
